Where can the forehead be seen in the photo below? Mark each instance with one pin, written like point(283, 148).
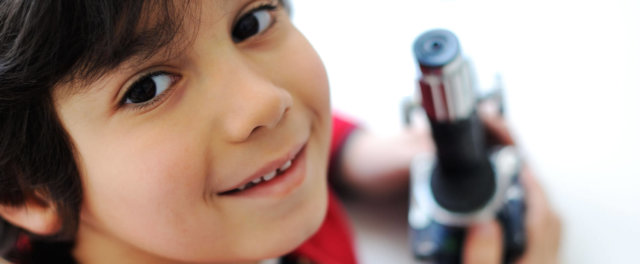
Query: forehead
point(153, 29)
point(162, 30)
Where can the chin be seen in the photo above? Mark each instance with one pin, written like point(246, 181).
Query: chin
point(313, 216)
point(291, 233)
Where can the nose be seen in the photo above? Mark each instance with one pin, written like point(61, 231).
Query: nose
point(256, 103)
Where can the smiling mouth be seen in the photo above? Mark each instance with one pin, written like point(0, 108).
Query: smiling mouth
point(264, 178)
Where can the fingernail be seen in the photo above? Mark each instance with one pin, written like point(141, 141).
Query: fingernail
point(489, 108)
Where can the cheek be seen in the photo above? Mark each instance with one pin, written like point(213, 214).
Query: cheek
point(299, 70)
point(132, 183)
point(313, 90)
point(318, 97)
point(315, 76)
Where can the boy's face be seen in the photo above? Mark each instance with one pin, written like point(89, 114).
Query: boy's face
point(161, 143)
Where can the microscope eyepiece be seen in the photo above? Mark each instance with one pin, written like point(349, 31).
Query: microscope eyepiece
point(447, 81)
point(436, 48)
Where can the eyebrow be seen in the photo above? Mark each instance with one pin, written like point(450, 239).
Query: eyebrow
point(161, 40)
point(145, 52)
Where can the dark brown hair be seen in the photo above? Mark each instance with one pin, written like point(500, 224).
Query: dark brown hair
point(44, 44)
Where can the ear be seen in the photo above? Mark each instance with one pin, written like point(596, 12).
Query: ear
point(37, 216)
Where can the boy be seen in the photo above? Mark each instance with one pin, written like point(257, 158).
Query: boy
point(164, 132)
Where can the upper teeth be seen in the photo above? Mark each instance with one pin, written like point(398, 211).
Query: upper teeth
point(268, 176)
point(285, 166)
point(258, 180)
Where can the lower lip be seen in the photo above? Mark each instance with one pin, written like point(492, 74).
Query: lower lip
point(282, 184)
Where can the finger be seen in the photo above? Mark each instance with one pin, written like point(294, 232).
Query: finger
point(539, 210)
point(495, 123)
point(543, 225)
point(535, 195)
point(483, 244)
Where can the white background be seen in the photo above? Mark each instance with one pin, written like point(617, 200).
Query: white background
point(571, 70)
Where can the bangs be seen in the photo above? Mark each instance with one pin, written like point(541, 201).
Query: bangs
point(120, 30)
point(47, 42)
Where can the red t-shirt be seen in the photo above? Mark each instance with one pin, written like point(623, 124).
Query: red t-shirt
point(333, 242)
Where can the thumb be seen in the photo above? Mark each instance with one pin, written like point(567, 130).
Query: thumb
point(483, 244)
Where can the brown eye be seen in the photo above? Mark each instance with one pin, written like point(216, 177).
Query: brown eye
point(147, 88)
point(253, 23)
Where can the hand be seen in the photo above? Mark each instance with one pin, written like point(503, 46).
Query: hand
point(484, 241)
point(377, 166)
point(543, 226)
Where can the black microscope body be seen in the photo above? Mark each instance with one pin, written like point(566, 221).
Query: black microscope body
point(466, 181)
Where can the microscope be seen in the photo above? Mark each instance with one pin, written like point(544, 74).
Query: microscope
point(467, 181)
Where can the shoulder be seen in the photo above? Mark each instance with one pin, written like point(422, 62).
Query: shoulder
point(333, 242)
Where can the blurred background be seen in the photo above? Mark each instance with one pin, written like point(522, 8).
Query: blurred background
point(571, 74)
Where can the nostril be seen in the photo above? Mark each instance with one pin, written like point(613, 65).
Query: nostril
point(255, 129)
point(273, 124)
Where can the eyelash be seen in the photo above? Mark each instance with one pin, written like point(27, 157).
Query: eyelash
point(271, 7)
point(265, 6)
point(155, 100)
